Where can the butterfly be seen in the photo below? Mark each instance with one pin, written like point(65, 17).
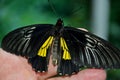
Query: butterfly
point(71, 48)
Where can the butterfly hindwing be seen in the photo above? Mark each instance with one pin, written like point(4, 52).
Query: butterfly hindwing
point(41, 60)
point(66, 66)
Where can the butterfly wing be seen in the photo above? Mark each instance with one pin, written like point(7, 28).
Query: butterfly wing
point(27, 40)
point(87, 50)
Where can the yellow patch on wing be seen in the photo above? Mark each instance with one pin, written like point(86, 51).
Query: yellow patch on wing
point(43, 49)
point(66, 54)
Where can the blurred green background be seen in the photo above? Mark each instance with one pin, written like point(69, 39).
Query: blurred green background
point(78, 13)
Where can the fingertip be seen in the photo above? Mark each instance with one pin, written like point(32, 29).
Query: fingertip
point(87, 74)
point(91, 74)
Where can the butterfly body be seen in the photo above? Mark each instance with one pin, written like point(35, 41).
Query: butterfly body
point(70, 48)
point(56, 50)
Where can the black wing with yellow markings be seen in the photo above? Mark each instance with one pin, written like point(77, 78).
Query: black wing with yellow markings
point(71, 48)
point(89, 51)
point(26, 41)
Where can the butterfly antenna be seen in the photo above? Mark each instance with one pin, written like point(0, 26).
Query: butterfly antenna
point(53, 8)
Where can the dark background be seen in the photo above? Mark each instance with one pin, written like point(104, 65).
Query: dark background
point(18, 13)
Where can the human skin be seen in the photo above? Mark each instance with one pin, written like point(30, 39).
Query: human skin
point(14, 67)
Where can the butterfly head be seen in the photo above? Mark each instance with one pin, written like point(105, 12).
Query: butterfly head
point(59, 22)
point(58, 27)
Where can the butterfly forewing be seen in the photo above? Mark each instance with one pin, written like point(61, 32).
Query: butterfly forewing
point(27, 40)
point(89, 50)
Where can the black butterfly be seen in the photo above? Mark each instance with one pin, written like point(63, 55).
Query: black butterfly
point(71, 48)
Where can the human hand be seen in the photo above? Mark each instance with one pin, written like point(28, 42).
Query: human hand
point(14, 67)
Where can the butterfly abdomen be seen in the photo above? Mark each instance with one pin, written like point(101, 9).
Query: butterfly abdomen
point(56, 51)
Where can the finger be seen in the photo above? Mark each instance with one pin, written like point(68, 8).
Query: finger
point(88, 74)
point(12, 68)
